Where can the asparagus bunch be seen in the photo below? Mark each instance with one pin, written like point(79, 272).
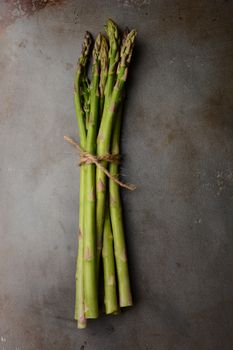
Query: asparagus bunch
point(98, 108)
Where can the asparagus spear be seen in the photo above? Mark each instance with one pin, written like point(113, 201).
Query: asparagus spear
point(125, 297)
point(90, 261)
point(113, 57)
point(105, 131)
point(80, 114)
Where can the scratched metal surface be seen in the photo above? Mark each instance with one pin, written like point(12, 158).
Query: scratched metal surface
point(178, 147)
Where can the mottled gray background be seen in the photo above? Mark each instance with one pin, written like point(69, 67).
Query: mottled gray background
point(178, 148)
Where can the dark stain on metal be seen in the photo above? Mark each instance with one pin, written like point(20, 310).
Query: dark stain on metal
point(4, 302)
point(110, 329)
point(214, 116)
point(23, 44)
point(83, 346)
point(13, 10)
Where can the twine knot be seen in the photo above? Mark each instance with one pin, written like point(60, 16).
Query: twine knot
point(88, 158)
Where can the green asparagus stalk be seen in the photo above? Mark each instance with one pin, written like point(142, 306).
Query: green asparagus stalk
point(125, 297)
point(110, 295)
point(80, 114)
point(90, 253)
point(113, 57)
point(105, 131)
point(111, 305)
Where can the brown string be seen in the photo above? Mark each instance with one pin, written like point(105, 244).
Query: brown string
point(88, 158)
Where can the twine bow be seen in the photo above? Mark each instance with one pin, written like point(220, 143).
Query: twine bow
point(88, 158)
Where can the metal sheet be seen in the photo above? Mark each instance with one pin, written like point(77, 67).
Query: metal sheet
point(177, 146)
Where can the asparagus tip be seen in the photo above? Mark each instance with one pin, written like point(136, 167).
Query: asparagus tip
point(87, 42)
point(104, 52)
point(96, 49)
point(125, 33)
point(127, 48)
point(111, 28)
point(86, 48)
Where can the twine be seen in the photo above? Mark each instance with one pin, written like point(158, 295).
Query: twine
point(88, 158)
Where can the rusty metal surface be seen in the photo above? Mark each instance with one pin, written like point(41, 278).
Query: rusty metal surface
point(178, 147)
